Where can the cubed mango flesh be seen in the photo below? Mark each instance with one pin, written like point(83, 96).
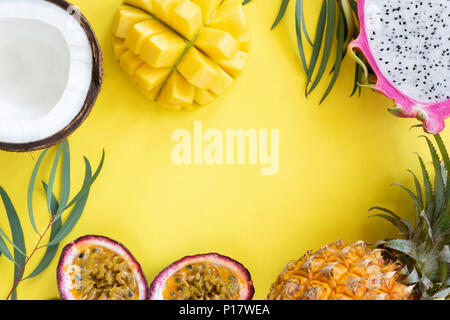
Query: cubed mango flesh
point(181, 53)
point(197, 68)
point(186, 18)
point(130, 62)
point(245, 40)
point(208, 7)
point(177, 91)
point(144, 4)
point(221, 83)
point(162, 8)
point(148, 78)
point(142, 31)
point(118, 47)
point(235, 65)
point(151, 94)
point(217, 44)
point(126, 18)
point(231, 19)
point(162, 50)
point(203, 97)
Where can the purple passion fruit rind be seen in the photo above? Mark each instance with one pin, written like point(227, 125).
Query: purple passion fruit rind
point(98, 268)
point(203, 277)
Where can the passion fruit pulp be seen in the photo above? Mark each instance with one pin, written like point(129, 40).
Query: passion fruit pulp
point(203, 277)
point(98, 268)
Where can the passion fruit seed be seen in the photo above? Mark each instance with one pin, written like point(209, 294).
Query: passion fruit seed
point(202, 281)
point(101, 274)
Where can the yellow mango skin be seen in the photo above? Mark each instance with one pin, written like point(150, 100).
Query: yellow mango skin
point(162, 50)
point(118, 47)
point(130, 62)
point(141, 32)
point(217, 44)
point(126, 18)
point(203, 97)
point(208, 7)
point(198, 69)
point(150, 94)
point(162, 8)
point(235, 65)
point(144, 4)
point(178, 91)
point(221, 83)
point(245, 40)
point(186, 18)
point(231, 19)
point(148, 78)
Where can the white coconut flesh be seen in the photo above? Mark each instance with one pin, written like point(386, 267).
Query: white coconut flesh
point(410, 41)
point(46, 66)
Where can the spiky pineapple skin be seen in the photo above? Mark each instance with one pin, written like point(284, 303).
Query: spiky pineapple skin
point(341, 272)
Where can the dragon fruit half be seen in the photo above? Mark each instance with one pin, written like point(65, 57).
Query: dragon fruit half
point(407, 44)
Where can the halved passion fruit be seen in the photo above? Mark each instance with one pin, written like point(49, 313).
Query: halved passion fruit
point(98, 268)
point(203, 277)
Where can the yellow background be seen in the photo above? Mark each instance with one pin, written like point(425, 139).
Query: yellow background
point(336, 161)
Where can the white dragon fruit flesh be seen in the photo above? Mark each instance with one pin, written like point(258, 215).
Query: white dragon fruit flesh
point(407, 44)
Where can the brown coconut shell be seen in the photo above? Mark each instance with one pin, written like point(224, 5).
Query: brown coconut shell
point(91, 97)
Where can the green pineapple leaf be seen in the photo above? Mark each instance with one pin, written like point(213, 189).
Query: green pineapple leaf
point(429, 197)
point(439, 188)
point(405, 246)
point(419, 195)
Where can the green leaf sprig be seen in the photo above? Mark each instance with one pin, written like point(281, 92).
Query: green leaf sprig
point(336, 27)
point(58, 230)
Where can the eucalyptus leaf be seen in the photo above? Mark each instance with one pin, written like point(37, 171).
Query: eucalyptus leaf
point(51, 251)
point(65, 180)
point(31, 189)
point(51, 180)
point(86, 187)
point(4, 249)
point(76, 211)
point(17, 238)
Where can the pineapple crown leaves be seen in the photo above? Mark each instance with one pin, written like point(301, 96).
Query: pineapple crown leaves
point(337, 25)
point(424, 248)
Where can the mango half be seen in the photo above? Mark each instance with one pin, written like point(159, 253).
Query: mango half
point(181, 53)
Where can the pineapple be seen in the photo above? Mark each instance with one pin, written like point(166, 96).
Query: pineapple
point(414, 267)
point(181, 53)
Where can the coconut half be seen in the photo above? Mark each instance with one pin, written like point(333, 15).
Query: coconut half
point(50, 72)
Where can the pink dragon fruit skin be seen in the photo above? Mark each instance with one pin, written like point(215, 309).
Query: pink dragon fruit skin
point(432, 114)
